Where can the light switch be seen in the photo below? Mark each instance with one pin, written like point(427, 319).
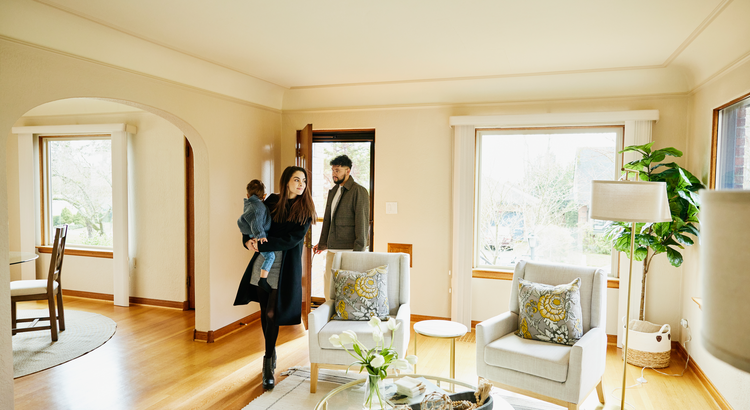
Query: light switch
point(391, 207)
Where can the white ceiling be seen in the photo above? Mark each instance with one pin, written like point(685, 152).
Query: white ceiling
point(298, 44)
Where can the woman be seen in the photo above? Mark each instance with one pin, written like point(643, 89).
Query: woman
point(280, 294)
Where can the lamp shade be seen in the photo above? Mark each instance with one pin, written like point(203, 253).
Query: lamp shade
point(630, 201)
point(725, 271)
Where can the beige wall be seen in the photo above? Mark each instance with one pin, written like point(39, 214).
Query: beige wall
point(232, 141)
point(732, 383)
point(413, 154)
point(158, 168)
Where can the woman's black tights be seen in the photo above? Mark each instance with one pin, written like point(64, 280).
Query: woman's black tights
point(267, 303)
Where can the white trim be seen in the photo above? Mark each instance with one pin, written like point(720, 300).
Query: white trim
point(26, 189)
point(29, 200)
point(463, 223)
point(120, 253)
point(592, 118)
point(76, 129)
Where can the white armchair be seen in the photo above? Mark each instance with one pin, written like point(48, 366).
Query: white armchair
point(321, 327)
point(560, 374)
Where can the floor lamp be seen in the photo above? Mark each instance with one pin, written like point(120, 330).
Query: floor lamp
point(629, 201)
point(725, 269)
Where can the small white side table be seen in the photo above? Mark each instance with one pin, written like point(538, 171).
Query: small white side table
point(441, 329)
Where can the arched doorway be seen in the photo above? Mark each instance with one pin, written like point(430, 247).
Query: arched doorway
point(159, 211)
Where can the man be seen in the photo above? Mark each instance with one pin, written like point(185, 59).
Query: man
point(346, 222)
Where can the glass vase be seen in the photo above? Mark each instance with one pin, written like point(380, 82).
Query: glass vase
point(374, 393)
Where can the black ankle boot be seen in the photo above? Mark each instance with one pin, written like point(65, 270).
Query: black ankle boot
point(268, 380)
point(263, 284)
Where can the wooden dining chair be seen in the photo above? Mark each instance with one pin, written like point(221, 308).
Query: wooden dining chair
point(41, 289)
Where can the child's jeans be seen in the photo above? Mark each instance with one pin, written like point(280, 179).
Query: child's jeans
point(268, 257)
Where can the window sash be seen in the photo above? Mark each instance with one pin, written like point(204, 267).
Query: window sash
point(481, 133)
point(731, 162)
point(46, 217)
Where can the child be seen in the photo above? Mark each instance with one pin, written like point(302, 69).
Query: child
point(254, 222)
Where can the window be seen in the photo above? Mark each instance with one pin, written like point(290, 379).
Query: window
point(534, 191)
point(731, 150)
point(77, 189)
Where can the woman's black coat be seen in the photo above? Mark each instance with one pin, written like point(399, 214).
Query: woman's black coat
point(289, 238)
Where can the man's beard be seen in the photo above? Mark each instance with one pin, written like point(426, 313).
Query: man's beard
point(338, 181)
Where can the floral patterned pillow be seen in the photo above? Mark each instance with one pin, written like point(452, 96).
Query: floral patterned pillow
point(360, 295)
point(550, 313)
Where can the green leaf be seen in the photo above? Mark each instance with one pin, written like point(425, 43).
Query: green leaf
point(674, 152)
point(636, 165)
point(666, 164)
point(641, 253)
point(661, 229)
point(658, 248)
point(356, 348)
point(691, 229)
point(683, 239)
point(677, 223)
point(672, 242)
point(657, 156)
point(683, 174)
point(675, 258)
point(622, 243)
point(645, 148)
point(686, 195)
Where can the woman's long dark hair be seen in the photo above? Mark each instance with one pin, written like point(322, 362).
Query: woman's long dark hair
point(302, 207)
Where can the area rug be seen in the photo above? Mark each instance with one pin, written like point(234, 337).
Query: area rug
point(35, 351)
point(293, 393)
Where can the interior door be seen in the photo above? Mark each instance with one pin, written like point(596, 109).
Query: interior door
point(304, 160)
point(190, 224)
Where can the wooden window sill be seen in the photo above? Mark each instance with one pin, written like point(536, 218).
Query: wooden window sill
point(612, 283)
point(78, 252)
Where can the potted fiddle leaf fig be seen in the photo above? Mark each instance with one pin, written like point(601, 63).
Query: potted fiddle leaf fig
point(652, 239)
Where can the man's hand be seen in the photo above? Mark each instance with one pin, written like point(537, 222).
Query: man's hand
point(319, 248)
point(262, 240)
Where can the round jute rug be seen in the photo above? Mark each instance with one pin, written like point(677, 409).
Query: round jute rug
point(35, 351)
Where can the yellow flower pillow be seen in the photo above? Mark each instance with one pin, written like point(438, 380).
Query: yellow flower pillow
point(360, 295)
point(550, 313)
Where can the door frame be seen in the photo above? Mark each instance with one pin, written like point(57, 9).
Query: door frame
point(352, 135)
point(189, 226)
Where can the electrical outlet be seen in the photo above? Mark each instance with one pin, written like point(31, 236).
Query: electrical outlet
point(684, 323)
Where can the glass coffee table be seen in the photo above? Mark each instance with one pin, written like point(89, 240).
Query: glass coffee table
point(350, 396)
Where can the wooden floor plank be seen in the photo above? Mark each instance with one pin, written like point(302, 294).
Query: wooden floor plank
point(152, 363)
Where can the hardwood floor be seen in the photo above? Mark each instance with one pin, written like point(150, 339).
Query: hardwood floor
point(152, 363)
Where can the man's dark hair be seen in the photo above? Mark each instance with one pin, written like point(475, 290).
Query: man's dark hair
point(257, 188)
point(342, 161)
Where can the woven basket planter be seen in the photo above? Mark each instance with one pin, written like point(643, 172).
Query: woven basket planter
point(649, 344)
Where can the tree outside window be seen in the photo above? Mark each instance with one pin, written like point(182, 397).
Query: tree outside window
point(79, 189)
point(534, 192)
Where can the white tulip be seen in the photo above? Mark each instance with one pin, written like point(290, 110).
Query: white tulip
point(401, 364)
point(375, 322)
point(412, 359)
point(377, 361)
point(393, 324)
point(377, 335)
point(348, 337)
point(335, 340)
